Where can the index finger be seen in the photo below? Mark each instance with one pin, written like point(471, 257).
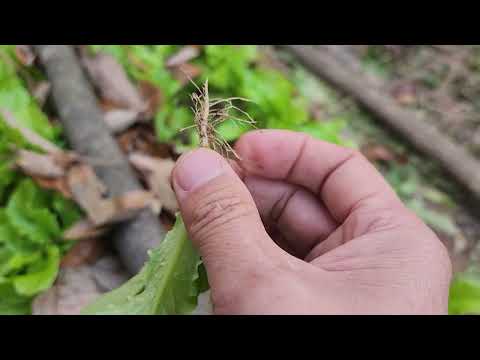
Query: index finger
point(341, 177)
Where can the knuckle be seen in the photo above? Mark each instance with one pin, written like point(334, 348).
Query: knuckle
point(364, 221)
point(355, 153)
point(217, 210)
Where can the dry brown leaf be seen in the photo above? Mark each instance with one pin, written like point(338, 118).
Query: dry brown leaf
point(184, 73)
point(405, 94)
point(59, 185)
point(127, 140)
point(85, 251)
point(25, 54)
point(106, 105)
point(377, 152)
point(167, 220)
point(47, 170)
point(142, 139)
point(40, 92)
point(157, 174)
point(36, 164)
point(66, 159)
point(120, 120)
point(84, 229)
point(153, 97)
point(30, 135)
point(89, 193)
point(183, 56)
point(113, 83)
point(125, 207)
point(87, 190)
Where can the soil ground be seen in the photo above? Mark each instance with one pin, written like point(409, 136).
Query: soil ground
point(442, 83)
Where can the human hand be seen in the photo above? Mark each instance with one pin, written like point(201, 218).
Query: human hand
point(335, 239)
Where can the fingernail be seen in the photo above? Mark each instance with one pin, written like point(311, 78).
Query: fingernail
point(197, 168)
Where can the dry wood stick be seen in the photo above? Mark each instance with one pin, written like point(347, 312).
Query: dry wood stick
point(419, 132)
point(89, 135)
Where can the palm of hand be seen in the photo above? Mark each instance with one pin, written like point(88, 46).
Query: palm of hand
point(318, 231)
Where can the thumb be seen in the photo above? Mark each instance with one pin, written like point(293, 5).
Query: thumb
point(221, 218)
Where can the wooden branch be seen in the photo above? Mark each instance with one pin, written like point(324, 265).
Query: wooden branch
point(419, 132)
point(89, 136)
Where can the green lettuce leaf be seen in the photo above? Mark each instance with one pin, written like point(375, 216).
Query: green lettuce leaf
point(232, 71)
point(231, 130)
point(13, 262)
point(327, 131)
point(28, 213)
point(170, 120)
point(465, 294)
point(15, 97)
point(31, 219)
point(168, 284)
point(40, 275)
point(66, 210)
point(11, 303)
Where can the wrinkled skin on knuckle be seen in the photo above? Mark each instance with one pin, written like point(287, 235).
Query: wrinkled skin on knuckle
point(217, 209)
point(364, 221)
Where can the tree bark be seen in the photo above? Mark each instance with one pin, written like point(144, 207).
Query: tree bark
point(424, 136)
point(89, 135)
